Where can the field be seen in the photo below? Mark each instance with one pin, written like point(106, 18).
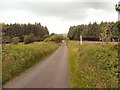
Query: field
point(93, 65)
point(18, 58)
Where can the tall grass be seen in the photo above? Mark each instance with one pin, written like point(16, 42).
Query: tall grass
point(93, 65)
point(18, 58)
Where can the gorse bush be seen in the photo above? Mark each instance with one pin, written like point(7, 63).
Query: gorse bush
point(15, 40)
point(29, 38)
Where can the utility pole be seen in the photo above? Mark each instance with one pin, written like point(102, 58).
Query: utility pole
point(117, 7)
point(80, 40)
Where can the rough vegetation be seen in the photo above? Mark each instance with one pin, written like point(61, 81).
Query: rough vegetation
point(29, 38)
point(93, 65)
point(15, 40)
point(18, 58)
point(55, 38)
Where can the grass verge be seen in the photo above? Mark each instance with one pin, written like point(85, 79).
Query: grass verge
point(17, 58)
point(93, 65)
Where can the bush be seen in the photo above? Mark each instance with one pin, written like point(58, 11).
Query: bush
point(6, 39)
point(53, 34)
point(55, 38)
point(47, 39)
point(46, 36)
point(67, 39)
point(39, 39)
point(29, 38)
point(15, 40)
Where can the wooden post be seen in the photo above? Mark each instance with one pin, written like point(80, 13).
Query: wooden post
point(80, 40)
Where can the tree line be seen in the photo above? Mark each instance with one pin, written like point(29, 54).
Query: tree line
point(95, 32)
point(10, 31)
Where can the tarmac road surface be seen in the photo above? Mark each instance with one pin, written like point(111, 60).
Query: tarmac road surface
point(53, 72)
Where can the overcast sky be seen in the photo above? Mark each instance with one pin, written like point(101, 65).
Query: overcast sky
point(57, 15)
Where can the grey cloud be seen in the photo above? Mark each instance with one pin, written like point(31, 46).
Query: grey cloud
point(64, 10)
point(67, 10)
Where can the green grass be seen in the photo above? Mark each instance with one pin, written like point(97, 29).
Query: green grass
point(18, 58)
point(93, 65)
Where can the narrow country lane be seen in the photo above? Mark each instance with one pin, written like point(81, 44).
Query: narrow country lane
point(52, 72)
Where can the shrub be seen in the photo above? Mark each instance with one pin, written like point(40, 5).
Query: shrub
point(46, 36)
point(15, 40)
point(6, 39)
point(67, 39)
point(47, 39)
point(53, 34)
point(39, 39)
point(29, 38)
point(55, 38)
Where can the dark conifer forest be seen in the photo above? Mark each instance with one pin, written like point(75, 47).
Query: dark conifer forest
point(94, 32)
point(10, 31)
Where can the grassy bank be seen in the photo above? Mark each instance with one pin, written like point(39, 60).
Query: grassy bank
point(18, 58)
point(93, 65)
